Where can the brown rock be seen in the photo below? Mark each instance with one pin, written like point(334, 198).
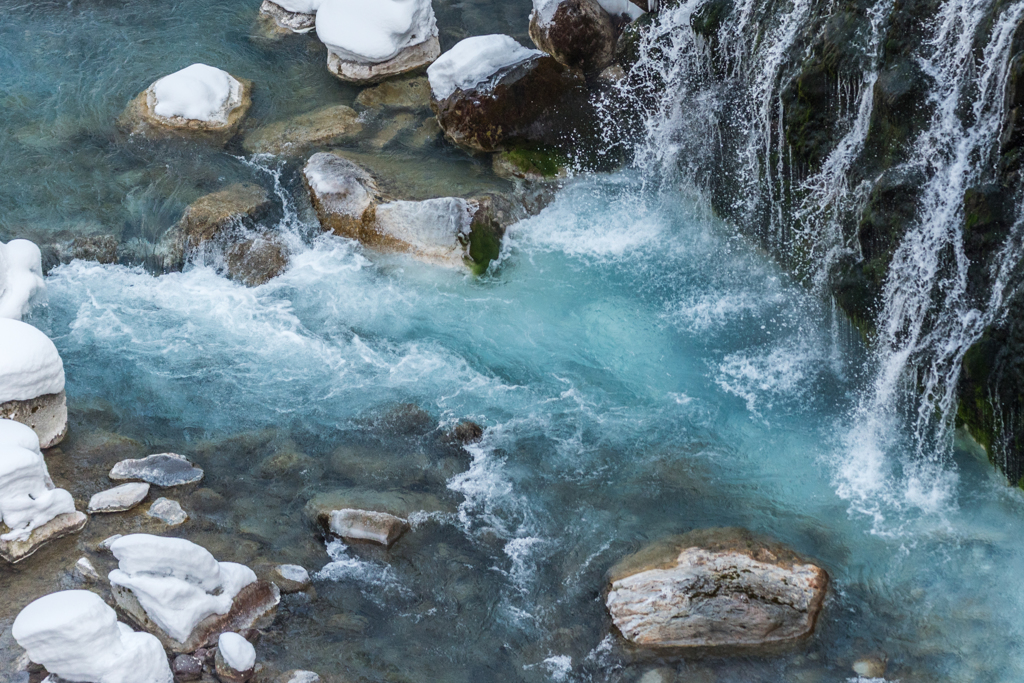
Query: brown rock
point(580, 35)
point(58, 527)
point(715, 589)
point(297, 136)
point(139, 118)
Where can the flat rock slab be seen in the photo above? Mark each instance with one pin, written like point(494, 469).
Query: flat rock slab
point(118, 499)
point(718, 590)
point(167, 511)
point(58, 527)
point(163, 470)
point(367, 526)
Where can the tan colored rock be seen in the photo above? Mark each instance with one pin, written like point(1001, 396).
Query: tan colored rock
point(408, 93)
point(410, 59)
point(365, 525)
point(139, 118)
point(716, 589)
point(210, 215)
point(295, 22)
point(47, 415)
point(118, 499)
point(253, 607)
point(58, 527)
point(344, 195)
point(299, 135)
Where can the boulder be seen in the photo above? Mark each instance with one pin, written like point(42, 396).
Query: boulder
point(324, 127)
point(401, 504)
point(62, 525)
point(167, 511)
point(163, 469)
point(296, 22)
point(235, 660)
point(199, 101)
point(344, 195)
point(47, 415)
point(291, 578)
point(577, 33)
point(716, 590)
point(118, 499)
point(32, 381)
point(366, 526)
point(368, 42)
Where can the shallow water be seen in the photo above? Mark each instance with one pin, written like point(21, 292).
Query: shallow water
point(639, 370)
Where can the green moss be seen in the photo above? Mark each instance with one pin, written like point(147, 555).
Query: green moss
point(545, 162)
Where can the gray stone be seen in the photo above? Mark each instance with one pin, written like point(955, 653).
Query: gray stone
point(47, 415)
point(870, 667)
point(187, 668)
point(410, 59)
point(333, 125)
point(227, 674)
point(163, 470)
point(86, 569)
point(106, 542)
point(140, 117)
point(58, 527)
point(716, 589)
point(296, 22)
point(410, 93)
point(167, 511)
point(365, 525)
point(291, 578)
point(118, 499)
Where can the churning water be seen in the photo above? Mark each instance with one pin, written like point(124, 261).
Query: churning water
point(639, 368)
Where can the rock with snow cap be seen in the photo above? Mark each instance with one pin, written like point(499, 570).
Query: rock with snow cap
point(76, 636)
point(32, 381)
point(299, 20)
point(21, 278)
point(368, 42)
point(118, 499)
point(236, 658)
point(162, 469)
point(177, 591)
point(578, 33)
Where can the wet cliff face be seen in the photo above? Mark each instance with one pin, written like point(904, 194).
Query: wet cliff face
point(874, 147)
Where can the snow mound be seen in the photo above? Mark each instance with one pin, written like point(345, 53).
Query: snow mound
point(198, 92)
point(300, 6)
point(617, 7)
point(473, 61)
point(177, 582)
point(28, 499)
point(374, 32)
point(76, 636)
point(29, 363)
point(21, 277)
point(237, 652)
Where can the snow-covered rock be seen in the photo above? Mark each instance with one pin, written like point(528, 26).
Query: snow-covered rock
point(367, 526)
point(21, 277)
point(343, 194)
point(198, 100)
point(578, 33)
point(177, 590)
point(236, 658)
point(370, 41)
point(301, 20)
point(29, 502)
point(32, 381)
point(474, 61)
point(76, 636)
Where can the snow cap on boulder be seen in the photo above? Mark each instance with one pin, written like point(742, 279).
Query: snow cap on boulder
point(21, 277)
point(29, 363)
point(28, 499)
point(374, 32)
point(76, 636)
point(198, 92)
point(473, 61)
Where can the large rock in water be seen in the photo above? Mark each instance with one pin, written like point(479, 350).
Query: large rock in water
point(577, 33)
point(32, 381)
point(163, 470)
point(715, 589)
point(333, 125)
point(294, 21)
point(491, 94)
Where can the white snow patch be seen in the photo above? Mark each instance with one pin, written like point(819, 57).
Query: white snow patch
point(28, 499)
point(237, 652)
point(474, 60)
point(76, 636)
point(617, 7)
point(198, 92)
point(300, 6)
point(21, 277)
point(29, 363)
point(177, 582)
point(434, 226)
point(374, 32)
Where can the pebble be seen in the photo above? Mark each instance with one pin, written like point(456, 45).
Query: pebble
point(118, 499)
point(167, 511)
point(163, 470)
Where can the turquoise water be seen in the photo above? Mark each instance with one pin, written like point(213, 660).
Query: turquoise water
point(639, 369)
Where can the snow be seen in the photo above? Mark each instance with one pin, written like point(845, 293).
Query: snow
point(28, 499)
point(75, 635)
point(300, 6)
point(177, 582)
point(237, 652)
point(473, 61)
point(616, 7)
point(374, 32)
point(429, 224)
point(21, 277)
point(198, 92)
point(29, 363)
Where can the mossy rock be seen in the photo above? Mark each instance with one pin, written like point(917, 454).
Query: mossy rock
point(531, 164)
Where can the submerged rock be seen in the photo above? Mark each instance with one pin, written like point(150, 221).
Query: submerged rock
point(715, 589)
point(344, 195)
point(578, 33)
point(294, 21)
point(32, 381)
point(167, 511)
point(299, 135)
point(199, 101)
point(365, 525)
point(118, 499)
point(409, 93)
point(163, 469)
point(399, 504)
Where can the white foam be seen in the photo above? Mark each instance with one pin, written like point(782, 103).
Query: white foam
point(28, 498)
point(473, 61)
point(374, 32)
point(76, 636)
point(21, 278)
point(237, 652)
point(198, 92)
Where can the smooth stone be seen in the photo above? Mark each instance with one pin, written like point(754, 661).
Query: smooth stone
point(291, 578)
point(365, 525)
point(466, 432)
point(86, 569)
point(118, 499)
point(167, 511)
point(47, 415)
point(343, 194)
point(412, 58)
point(107, 542)
point(411, 93)
point(58, 527)
point(187, 668)
point(139, 118)
point(870, 667)
point(403, 504)
point(324, 127)
point(299, 676)
point(717, 590)
point(580, 35)
point(296, 22)
point(163, 470)
point(253, 607)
